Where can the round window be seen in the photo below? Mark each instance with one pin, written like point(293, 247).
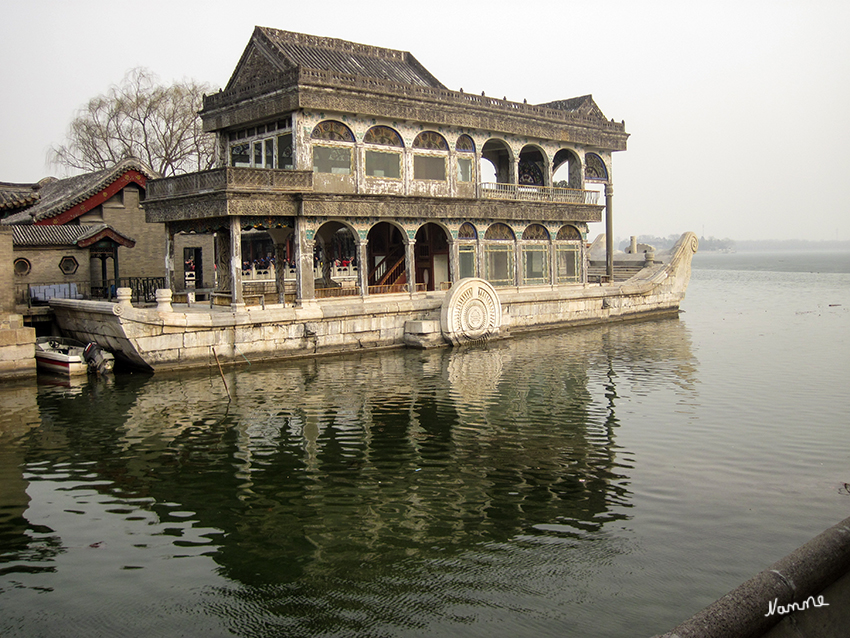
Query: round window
point(22, 266)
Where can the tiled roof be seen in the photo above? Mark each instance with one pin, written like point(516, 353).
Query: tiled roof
point(64, 235)
point(55, 197)
point(341, 56)
point(15, 196)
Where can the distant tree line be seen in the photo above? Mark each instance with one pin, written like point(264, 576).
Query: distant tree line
point(666, 243)
point(707, 244)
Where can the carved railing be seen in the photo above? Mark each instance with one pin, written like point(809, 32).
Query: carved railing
point(304, 76)
point(385, 290)
point(522, 192)
point(230, 178)
point(345, 291)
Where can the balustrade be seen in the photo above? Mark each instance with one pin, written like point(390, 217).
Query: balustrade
point(523, 192)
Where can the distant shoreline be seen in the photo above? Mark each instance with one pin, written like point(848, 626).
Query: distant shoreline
point(795, 245)
point(712, 244)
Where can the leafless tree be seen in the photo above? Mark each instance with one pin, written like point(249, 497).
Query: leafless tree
point(140, 118)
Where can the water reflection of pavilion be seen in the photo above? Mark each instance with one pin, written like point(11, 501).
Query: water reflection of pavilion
point(396, 452)
point(339, 468)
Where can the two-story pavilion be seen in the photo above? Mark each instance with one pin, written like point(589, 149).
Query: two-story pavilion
point(339, 150)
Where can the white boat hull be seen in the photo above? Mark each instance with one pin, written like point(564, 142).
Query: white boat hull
point(168, 338)
point(61, 359)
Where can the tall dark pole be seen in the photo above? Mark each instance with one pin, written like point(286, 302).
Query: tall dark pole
point(609, 231)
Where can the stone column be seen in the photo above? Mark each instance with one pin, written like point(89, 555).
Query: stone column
point(236, 262)
point(609, 231)
point(517, 260)
point(305, 288)
point(454, 258)
point(222, 267)
point(280, 236)
point(169, 257)
point(553, 259)
point(410, 263)
point(363, 266)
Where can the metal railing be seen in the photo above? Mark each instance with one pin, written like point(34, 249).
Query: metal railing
point(522, 192)
point(40, 293)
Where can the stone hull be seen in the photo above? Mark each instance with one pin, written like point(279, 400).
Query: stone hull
point(199, 337)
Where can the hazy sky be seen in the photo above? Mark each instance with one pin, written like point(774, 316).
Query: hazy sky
point(738, 111)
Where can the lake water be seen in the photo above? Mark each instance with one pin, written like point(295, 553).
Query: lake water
point(607, 481)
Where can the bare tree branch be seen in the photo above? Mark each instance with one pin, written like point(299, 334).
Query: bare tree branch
point(140, 118)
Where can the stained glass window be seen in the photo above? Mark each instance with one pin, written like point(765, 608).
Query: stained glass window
point(465, 144)
point(499, 232)
point(569, 233)
point(332, 131)
point(535, 232)
point(466, 231)
point(383, 135)
point(530, 173)
point(594, 168)
point(431, 141)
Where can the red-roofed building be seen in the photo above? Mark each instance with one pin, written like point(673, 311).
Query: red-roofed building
point(75, 237)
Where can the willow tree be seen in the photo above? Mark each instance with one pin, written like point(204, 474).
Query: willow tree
point(141, 118)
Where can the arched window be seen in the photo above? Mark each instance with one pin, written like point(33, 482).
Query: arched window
point(382, 163)
point(569, 233)
point(383, 136)
point(465, 144)
point(467, 231)
point(467, 264)
point(334, 158)
point(431, 141)
point(499, 232)
point(594, 168)
point(431, 166)
point(499, 255)
point(568, 255)
point(332, 131)
point(567, 167)
point(535, 255)
point(535, 232)
point(465, 165)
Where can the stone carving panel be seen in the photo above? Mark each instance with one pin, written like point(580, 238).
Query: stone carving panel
point(472, 312)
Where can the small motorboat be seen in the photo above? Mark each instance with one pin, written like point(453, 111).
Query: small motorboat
point(70, 357)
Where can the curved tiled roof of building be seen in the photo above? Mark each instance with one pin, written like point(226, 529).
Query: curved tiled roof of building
point(57, 196)
point(64, 235)
point(290, 50)
point(16, 196)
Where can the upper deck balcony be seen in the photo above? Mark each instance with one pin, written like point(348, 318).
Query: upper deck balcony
point(525, 193)
point(230, 179)
point(229, 191)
